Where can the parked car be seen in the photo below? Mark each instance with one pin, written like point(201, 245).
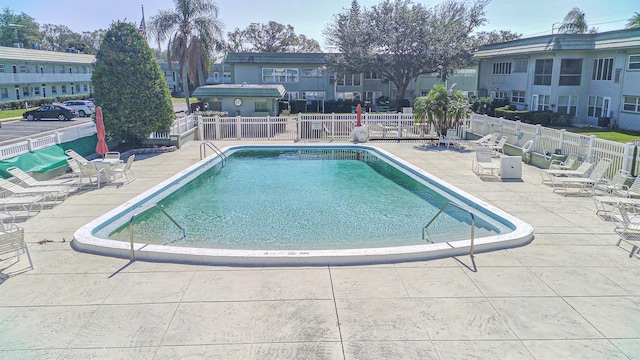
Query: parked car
point(50, 111)
point(82, 107)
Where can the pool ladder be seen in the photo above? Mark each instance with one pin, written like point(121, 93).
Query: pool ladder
point(425, 230)
point(135, 215)
point(212, 146)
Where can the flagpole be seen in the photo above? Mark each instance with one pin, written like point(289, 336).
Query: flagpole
point(144, 24)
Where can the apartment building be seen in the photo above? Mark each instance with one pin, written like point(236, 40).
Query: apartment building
point(593, 77)
point(28, 73)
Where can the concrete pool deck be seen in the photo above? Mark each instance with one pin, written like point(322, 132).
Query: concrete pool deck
point(570, 294)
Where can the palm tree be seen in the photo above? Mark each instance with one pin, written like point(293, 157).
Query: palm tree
point(193, 31)
point(574, 23)
point(633, 22)
point(441, 107)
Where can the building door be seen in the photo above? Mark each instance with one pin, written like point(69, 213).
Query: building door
point(534, 103)
point(605, 107)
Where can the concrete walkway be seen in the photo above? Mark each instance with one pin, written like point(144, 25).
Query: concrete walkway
point(570, 294)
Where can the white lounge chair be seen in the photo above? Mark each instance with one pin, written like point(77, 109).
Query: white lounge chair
point(628, 229)
point(77, 157)
point(564, 183)
point(12, 241)
point(632, 191)
point(606, 186)
point(30, 181)
point(487, 140)
point(51, 193)
point(498, 148)
point(483, 165)
point(27, 204)
point(451, 139)
point(583, 170)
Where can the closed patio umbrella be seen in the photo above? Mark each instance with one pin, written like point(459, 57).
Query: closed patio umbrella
point(101, 146)
point(358, 115)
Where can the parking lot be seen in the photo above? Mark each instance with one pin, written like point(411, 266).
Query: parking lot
point(14, 131)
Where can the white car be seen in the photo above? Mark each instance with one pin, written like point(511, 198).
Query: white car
point(82, 107)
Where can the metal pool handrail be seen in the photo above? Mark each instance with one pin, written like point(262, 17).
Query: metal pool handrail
point(212, 146)
point(184, 233)
point(473, 224)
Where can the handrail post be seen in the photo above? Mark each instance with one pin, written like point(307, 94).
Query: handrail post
point(133, 254)
point(473, 225)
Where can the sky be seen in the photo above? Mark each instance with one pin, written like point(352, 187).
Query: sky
point(309, 17)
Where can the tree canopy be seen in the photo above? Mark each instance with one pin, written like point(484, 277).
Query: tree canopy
point(272, 38)
point(442, 107)
point(633, 21)
point(194, 33)
point(130, 86)
point(401, 40)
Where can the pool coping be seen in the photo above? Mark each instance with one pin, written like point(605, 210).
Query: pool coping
point(85, 241)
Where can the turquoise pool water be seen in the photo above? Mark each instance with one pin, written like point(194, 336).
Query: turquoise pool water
point(305, 199)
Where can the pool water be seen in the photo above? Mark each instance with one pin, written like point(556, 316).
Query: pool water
point(304, 199)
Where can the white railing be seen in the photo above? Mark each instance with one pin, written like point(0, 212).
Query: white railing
point(179, 126)
point(26, 145)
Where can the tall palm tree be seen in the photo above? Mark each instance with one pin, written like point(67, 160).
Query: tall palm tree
point(192, 31)
point(574, 23)
point(633, 22)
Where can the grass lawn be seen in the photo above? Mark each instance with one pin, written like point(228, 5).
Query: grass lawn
point(181, 100)
point(4, 114)
point(622, 136)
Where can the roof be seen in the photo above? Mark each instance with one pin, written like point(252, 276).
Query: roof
point(276, 58)
point(611, 40)
point(239, 90)
point(12, 53)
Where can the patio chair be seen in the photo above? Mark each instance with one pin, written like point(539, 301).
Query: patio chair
point(92, 173)
point(583, 184)
point(29, 181)
point(606, 186)
point(115, 155)
point(51, 193)
point(632, 191)
point(487, 140)
point(483, 165)
point(566, 164)
point(12, 241)
point(628, 229)
point(583, 170)
point(498, 148)
point(122, 170)
point(77, 157)
point(451, 139)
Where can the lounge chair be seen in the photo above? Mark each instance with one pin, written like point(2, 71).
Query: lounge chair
point(498, 148)
point(122, 170)
point(582, 170)
point(51, 193)
point(487, 140)
point(628, 229)
point(23, 203)
point(29, 181)
point(606, 186)
point(564, 183)
point(77, 157)
point(632, 191)
point(12, 241)
point(483, 165)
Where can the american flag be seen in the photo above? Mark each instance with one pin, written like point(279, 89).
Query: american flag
point(143, 26)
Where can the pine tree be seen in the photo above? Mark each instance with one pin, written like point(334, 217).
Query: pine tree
point(129, 85)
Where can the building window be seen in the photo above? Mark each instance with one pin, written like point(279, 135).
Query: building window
point(77, 88)
point(521, 65)
point(348, 79)
point(216, 76)
point(314, 95)
point(567, 104)
point(316, 72)
point(279, 75)
point(542, 74)
point(261, 107)
point(518, 97)
point(372, 96)
point(631, 103)
point(23, 68)
point(25, 91)
point(4, 93)
point(634, 62)
point(502, 68)
point(543, 102)
point(85, 88)
point(36, 91)
point(371, 75)
point(348, 96)
point(602, 69)
point(54, 89)
point(63, 89)
point(596, 107)
point(290, 96)
point(570, 72)
point(499, 95)
point(1, 68)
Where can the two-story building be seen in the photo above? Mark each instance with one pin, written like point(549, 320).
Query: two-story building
point(27, 73)
point(593, 77)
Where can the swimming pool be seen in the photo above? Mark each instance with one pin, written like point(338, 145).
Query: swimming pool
point(394, 239)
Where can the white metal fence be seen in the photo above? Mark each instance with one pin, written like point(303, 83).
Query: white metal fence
point(179, 126)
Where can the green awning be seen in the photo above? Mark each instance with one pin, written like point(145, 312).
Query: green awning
point(240, 90)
